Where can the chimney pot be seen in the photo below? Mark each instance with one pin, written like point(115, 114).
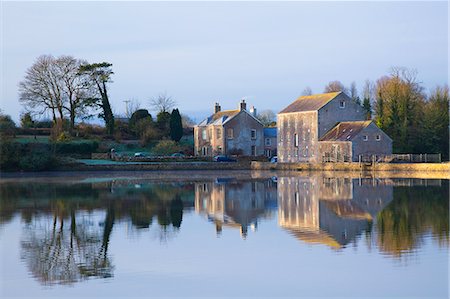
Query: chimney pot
point(216, 108)
point(243, 105)
point(253, 111)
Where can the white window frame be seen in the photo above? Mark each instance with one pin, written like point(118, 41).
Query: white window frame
point(365, 138)
point(230, 133)
point(342, 104)
point(253, 134)
point(295, 140)
point(268, 142)
point(204, 134)
point(378, 137)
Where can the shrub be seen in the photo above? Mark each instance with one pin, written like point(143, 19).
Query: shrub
point(139, 115)
point(37, 157)
point(7, 126)
point(10, 153)
point(166, 147)
point(82, 148)
point(150, 134)
point(29, 157)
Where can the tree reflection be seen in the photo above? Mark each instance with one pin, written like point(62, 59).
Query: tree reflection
point(68, 226)
point(59, 253)
point(414, 212)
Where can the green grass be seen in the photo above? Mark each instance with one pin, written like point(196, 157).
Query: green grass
point(32, 139)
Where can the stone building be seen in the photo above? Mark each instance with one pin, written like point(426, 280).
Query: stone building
point(305, 131)
point(347, 141)
point(230, 132)
point(332, 211)
point(235, 203)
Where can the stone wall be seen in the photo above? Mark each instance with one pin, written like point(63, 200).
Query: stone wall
point(242, 124)
point(304, 124)
point(331, 113)
point(371, 146)
point(335, 151)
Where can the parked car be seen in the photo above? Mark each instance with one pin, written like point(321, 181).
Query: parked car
point(177, 155)
point(223, 159)
point(274, 159)
point(139, 155)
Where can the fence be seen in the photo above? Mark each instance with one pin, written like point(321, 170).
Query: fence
point(401, 158)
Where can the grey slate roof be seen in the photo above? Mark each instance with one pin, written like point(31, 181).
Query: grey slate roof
point(219, 118)
point(345, 131)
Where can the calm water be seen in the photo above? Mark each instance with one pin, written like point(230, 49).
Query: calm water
point(231, 234)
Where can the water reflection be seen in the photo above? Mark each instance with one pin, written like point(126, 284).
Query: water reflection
point(331, 211)
point(236, 203)
point(67, 226)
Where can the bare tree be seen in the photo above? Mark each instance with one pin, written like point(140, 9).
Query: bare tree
point(187, 121)
point(77, 89)
point(307, 91)
point(335, 86)
point(41, 89)
point(163, 103)
point(55, 85)
point(131, 106)
point(267, 117)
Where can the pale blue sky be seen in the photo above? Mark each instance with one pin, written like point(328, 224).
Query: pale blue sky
point(202, 52)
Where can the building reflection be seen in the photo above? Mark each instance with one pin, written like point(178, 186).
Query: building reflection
point(236, 203)
point(330, 210)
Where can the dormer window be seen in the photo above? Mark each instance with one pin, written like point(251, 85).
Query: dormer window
point(342, 104)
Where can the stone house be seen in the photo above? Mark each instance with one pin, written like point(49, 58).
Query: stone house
point(229, 132)
point(303, 125)
point(270, 142)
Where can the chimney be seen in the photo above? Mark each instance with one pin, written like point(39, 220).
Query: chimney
point(243, 105)
point(216, 108)
point(253, 111)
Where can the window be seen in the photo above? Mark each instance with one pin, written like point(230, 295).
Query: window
point(253, 134)
point(253, 150)
point(268, 142)
point(365, 137)
point(219, 150)
point(296, 140)
point(230, 134)
point(204, 134)
point(342, 104)
point(219, 133)
point(205, 151)
point(378, 138)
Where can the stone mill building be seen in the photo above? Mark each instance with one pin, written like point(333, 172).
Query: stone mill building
point(328, 127)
